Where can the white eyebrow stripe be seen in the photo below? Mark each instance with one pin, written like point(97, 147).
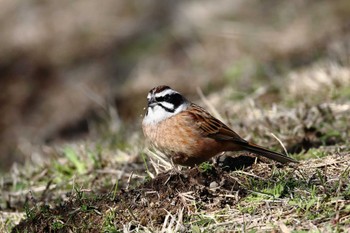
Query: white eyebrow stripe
point(166, 92)
point(168, 105)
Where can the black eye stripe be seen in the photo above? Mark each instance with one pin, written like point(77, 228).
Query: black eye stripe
point(166, 98)
point(177, 99)
point(161, 99)
point(171, 98)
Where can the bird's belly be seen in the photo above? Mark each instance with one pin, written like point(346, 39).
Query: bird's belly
point(182, 142)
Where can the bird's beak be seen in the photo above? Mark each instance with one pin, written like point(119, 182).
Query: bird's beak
point(152, 102)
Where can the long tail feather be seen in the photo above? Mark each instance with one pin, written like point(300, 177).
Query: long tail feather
point(256, 149)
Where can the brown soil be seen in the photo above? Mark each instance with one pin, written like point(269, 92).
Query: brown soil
point(146, 204)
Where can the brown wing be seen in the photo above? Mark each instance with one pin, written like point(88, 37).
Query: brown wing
point(212, 127)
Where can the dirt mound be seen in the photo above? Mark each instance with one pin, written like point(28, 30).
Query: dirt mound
point(149, 203)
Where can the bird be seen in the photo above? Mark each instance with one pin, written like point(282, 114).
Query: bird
point(188, 134)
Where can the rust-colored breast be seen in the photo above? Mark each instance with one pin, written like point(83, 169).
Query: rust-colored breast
point(182, 140)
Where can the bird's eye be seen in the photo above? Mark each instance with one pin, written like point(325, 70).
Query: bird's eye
point(167, 98)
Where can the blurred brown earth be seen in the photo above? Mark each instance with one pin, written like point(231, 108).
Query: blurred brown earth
point(63, 62)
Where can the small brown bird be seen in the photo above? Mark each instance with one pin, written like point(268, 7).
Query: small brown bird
point(188, 134)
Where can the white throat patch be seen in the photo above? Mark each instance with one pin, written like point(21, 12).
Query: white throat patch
point(157, 114)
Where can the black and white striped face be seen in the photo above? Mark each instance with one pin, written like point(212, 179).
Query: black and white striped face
point(163, 102)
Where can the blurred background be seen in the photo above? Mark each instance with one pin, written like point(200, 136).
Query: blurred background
point(69, 68)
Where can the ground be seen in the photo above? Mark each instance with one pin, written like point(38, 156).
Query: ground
point(115, 185)
point(277, 72)
point(262, 196)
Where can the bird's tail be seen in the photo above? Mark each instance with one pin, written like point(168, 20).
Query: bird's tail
point(256, 149)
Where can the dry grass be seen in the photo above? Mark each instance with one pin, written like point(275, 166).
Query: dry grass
point(118, 185)
point(113, 184)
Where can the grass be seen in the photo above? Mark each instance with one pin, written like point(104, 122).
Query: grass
point(116, 185)
point(205, 167)
point(314, 194)
point(315, 198)
point(113, 184)
point(73, 158)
